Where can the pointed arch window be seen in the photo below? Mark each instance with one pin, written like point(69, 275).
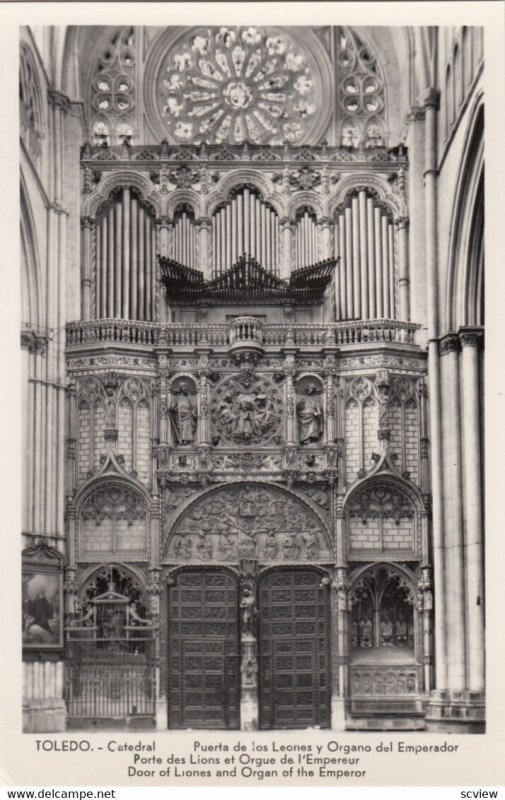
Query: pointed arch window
point(360, 88)
point(112, 92)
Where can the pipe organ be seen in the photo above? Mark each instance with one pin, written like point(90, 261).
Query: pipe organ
point(125, 258)
point(306, 238)
point(245, 224)
point(366, 283)
point(184, 242)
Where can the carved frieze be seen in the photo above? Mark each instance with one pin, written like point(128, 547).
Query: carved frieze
point(262, 523)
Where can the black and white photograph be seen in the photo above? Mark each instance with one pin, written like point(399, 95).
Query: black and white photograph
point(252, 378)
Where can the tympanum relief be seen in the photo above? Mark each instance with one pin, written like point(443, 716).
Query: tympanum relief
point(249, 522)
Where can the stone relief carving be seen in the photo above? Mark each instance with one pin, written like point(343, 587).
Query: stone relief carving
point(249, 522)
point(246, 409)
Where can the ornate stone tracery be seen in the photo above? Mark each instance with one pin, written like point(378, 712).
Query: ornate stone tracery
point(231, 84)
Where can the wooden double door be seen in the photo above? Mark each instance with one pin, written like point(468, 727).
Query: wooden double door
point(204, 651)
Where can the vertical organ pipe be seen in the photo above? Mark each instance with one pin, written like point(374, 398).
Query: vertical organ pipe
point(147, 223)
point(117, 265)
point(385, 267)
point(378, 262)
point(142, 264)
point(341, 268)
point(134, 257)
point(355, 257)
point(371, 259)
point(228, 236)
point(103, 258)
point(363, 254)
point(348, 264)
point(98, 269)
point(152, 314)
point(391, 271)
point(126, 254)
point(110, 264)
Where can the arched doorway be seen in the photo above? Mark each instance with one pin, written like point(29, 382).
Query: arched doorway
point(248, 618)
point(203, 650)
point(294, 654)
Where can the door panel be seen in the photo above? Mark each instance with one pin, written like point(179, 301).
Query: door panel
point(294, 679)
point(203, 651)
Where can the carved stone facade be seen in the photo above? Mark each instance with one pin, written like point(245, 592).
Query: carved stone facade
point(249, 444)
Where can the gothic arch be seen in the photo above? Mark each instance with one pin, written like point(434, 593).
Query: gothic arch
point(393, 480)
point(400, 569)
point(189, 196)
point(30, 263)
point(366, 180)
point(116, 180)
point(236, 179)
point(88, 573)
point(465, 293)
point(306, 199)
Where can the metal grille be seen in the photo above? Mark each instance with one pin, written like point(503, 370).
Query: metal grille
point(203, 651)
point(110, 680)
point(294, 678)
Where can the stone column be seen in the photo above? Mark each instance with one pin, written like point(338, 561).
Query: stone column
point(425, 610)
point(403, 268)
point(472, 473)
point(429, 103)
point(453, 515)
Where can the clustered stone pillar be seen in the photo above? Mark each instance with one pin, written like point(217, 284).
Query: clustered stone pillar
point(453, 515)
point(472, 480)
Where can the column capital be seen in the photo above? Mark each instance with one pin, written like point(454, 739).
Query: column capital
point(449, 344)
point(470, 337)
point(87, 222)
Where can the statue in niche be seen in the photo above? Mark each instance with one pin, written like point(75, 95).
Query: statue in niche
point(310, 417)
point(183, 415)
point(248, 609)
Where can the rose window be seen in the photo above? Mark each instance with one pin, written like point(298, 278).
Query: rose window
point(236, 84)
